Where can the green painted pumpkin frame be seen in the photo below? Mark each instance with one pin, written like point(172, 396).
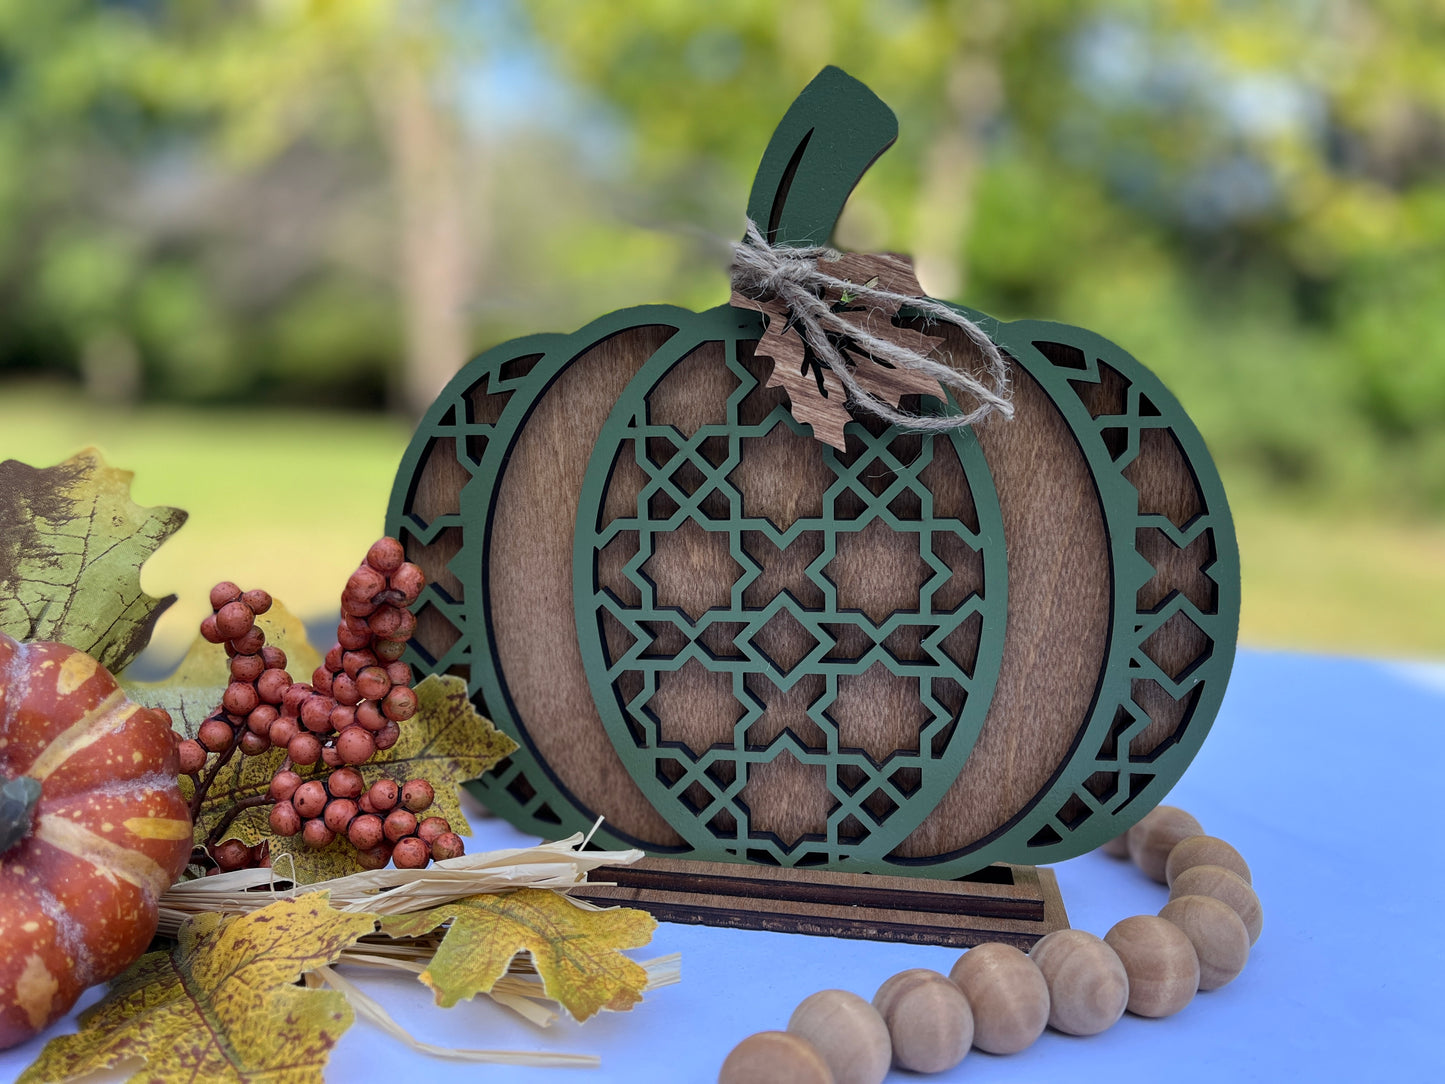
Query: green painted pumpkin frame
point(834, 131)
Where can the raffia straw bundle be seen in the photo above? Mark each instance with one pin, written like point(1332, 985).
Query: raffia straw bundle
point(558, 866)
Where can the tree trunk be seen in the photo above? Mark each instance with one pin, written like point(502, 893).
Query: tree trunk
point(432, 238)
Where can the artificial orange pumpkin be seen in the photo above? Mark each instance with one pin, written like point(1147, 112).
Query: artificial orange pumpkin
point(93, 829)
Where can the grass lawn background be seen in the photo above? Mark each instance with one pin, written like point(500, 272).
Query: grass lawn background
point(289, 501)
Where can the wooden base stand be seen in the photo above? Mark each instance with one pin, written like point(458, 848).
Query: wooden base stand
point(1013, 904)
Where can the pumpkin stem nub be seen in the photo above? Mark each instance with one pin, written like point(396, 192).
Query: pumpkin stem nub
point(824, 144)
point(18, 799)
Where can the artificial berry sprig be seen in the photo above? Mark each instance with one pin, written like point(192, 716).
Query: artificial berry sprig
point(381, 821)
point(353, 708)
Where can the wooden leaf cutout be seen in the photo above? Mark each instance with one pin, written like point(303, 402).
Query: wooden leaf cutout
point(72, 543)
point(577, 952)
point(815, 394)
point(446, 743)
point(222, 1006)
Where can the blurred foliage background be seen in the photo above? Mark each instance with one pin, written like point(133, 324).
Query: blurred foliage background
point(241, 245)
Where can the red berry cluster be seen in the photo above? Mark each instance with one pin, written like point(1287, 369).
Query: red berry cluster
point(381, 821)
point(353, 707)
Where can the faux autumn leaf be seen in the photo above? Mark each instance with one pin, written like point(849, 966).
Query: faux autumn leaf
point(446, 743)
point(223, 1005)
point(816, 396)
point(194, 688)
point(577, 952)
point(72, 543)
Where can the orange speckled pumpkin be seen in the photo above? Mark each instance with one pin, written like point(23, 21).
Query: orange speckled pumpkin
point(93, 829)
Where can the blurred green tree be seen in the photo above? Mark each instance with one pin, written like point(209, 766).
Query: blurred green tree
point(1250, 196)
point(334, 201)
point(191, 189)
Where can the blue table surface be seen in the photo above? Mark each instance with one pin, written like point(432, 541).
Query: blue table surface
point(1322, 771)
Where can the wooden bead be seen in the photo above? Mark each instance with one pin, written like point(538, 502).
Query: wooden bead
point(1118, 847)
point(849, 1034)
point(1220, 940)
point(1224, 885)
point(1008, 995)
point(1160, 962)
point(1194, 851)
point(1088, 987)
point(929, 1020)
point(774, 1057)
point(1151, 840)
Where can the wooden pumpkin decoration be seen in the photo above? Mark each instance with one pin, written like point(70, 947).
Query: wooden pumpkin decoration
point(915, 652)
point(93, 829)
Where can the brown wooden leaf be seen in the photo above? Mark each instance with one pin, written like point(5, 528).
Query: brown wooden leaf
point(824, 408)
point(577, 952)
point(223, 1005)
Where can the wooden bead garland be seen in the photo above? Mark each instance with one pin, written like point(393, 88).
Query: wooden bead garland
point(1194, 851)
point(1159, 959)
point(1220, 940)
point(929, 1020)
point(1000, 999)
point(1008, 994)
point(1088, 986)
point(775, 1057)
point(848, 1032)
point(1226, 886)
point(1151, 840)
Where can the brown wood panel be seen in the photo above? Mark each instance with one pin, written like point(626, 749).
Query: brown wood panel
point(1058, 596)
point(1058, 617)
point(532, 613)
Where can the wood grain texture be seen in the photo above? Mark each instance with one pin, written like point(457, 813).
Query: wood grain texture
point(1058, 595)
point(1016, 905)
point(848, 1032)
point(929, 1020)
point(1220, 938)
point(1008, 996)
point(1160, 962)
point(774, 1057)
point(1088, 986)
point(530, 583)
point(1058, 619)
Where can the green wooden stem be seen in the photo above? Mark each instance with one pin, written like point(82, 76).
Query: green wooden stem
point(824, 144)
point(18, 799)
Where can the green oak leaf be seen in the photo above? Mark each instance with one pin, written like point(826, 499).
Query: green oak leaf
point(72, 543)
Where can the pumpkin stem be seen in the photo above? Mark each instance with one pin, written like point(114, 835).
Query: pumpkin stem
point(18, 799)
point(824, 144)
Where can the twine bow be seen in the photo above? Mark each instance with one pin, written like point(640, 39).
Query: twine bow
point(833, 316)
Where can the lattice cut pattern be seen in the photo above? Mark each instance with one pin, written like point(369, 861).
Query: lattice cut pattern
point(791, 610)
point(1176, 583)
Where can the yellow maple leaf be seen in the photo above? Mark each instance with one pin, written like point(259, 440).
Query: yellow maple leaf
point(222, 1006)
point(577, 952)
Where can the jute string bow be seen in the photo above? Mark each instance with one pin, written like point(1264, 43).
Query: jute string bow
point(798, 282)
